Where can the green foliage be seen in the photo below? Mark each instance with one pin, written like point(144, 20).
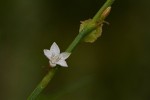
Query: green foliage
point(91, 37)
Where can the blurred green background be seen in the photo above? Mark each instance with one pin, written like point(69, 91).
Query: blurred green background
point(115, 67)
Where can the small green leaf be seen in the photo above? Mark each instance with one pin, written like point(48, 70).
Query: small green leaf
point(91, 37)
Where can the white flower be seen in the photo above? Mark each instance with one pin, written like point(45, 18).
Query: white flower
point(55, 57)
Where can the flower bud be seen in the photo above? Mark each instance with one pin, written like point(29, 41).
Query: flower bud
point(106, 12)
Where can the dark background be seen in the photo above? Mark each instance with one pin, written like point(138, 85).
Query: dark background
point(115, 67)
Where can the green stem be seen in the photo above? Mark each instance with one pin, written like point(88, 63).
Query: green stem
point(42, 84)
point(92, 26)
point(80, 36)
point(108, 3)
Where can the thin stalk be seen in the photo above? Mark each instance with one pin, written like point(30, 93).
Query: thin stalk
point(48, 77)
point(107, 4)
point(79, 37)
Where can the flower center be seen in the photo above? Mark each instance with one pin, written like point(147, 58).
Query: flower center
point(55, 58)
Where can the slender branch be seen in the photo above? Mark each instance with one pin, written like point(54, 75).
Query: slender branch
point(79, 37)
point(47, 78)
point(107, 4)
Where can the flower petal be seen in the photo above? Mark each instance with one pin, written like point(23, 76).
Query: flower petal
point(47, 53)
point(64, 55)
point(55, 49)
point(52, 64)
point(62, 63)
